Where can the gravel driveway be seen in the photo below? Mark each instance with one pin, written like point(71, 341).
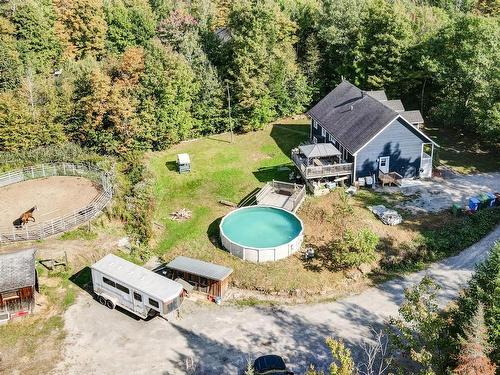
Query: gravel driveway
point(221, 339)
point(439, 194)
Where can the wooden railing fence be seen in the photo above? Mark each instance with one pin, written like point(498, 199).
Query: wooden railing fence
point(42, 230)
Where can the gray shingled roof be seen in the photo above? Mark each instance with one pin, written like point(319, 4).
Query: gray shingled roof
point(17, 270)
point(396, 105)
point(351, 116)
point(198, 267)
point(319, 150)
point(378, 94)
point(413, 117)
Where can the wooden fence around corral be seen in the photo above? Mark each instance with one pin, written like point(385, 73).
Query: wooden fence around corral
point(64, 223)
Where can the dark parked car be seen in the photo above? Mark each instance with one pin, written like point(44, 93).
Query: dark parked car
point(270, 365)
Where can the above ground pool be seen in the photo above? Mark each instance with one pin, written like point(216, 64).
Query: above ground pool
point(261, 233)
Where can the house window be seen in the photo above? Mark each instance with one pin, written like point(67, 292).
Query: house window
point(137, 297)
point(323, 132)
point(315, 140)
point(315, 124)
point(108, 281)
point(154, 303)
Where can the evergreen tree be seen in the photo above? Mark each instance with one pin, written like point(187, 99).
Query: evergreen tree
point(482, 289)
point(180, 31)
point(130, 23)
point(10, 61)
point(420, 332)
point(166, 96)
point(262, 67)
point(472, 359)
point(35, 33)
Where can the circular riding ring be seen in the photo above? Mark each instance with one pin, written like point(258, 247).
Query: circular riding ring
point(47, 199)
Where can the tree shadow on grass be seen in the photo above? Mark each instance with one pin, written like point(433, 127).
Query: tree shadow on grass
point(290, 136)
point(277, 172)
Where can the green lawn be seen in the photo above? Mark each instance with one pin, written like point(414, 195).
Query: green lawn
point(461, 153)
point(220, 170)
point(231, 171)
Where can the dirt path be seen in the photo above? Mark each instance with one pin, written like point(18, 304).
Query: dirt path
point(221, 339)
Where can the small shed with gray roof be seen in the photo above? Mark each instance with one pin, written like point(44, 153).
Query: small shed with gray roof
point(205, 277)
point(18, 282)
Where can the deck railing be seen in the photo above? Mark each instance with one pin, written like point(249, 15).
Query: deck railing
point(329, 170)
point(41, 230)
point(296, 193)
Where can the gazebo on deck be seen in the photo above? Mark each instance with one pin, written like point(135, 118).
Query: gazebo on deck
point(320, 160)
point(320, 154)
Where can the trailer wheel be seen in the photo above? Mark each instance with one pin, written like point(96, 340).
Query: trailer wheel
point(101, 300)
point(110, 304)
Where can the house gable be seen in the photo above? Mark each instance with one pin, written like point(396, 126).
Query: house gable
point(401, 142)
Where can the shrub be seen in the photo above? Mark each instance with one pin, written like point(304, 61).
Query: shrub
point(67, 152)
point(354, 249)
point(445, 241)
point(136, 203)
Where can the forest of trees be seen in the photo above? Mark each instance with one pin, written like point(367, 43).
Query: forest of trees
point(121, 75)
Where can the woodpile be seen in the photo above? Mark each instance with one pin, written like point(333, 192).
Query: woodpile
point(182, 214)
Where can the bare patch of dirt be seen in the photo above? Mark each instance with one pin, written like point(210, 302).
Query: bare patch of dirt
point(327, 218)
point(53, 196)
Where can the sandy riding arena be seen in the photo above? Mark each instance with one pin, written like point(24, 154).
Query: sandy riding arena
point(54, 197)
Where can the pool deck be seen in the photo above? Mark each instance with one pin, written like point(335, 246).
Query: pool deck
point(282, 195)
point(275, 200)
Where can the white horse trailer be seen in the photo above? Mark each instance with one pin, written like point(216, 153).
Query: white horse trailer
point(118, 282)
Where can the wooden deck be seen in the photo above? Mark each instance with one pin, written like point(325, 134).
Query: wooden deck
point(282, 195)
point(320, 169)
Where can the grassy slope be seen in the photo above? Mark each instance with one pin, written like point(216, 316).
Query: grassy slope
point(231, 171)
point(463, 154)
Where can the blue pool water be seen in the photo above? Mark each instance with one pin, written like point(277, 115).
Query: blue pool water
point(261, 227)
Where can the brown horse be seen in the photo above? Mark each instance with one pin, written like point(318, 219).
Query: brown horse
point(27, 216)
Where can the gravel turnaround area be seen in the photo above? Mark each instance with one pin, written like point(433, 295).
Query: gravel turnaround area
point(221, 340)
point(439, 194)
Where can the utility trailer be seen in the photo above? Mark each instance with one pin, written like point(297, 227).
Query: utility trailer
point(118, 282)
